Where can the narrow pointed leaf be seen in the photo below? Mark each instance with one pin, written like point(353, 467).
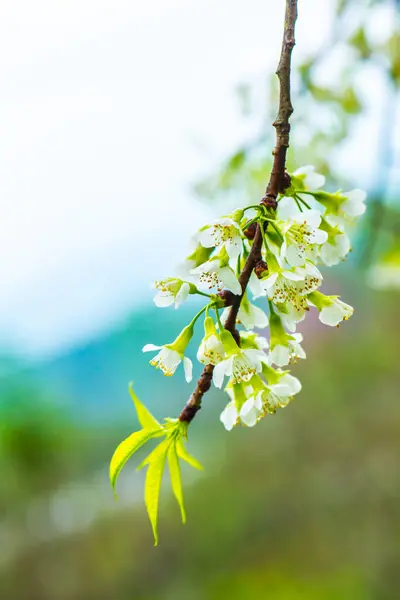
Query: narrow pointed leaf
point(125, 450)
point(145, 417)
point(154, 454)
point(184, 455)
point(176, 481)
point(152, 489)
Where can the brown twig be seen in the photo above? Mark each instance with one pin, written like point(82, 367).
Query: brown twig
point(275, 185)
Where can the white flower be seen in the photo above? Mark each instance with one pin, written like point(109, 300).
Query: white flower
point(240, 364)
point(168, 360)
point(171, 355)
point(266, 398)
point(283, 354)
point(336, 247)
point(249, 315)
point(290, 286)
point(342, 207)
point(280, 394)
point(354, 204)
point(171, 291)
point(332, 310)
point(211, 274)
point(224, 232)
point(309, 179)
point(211, 349)
point(301, 236)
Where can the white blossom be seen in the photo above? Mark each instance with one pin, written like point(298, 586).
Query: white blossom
point(342, 208)
point(267, 398)
point(171, 355)
point(291, 285)
point(240, 364)
point(168, 360)
point(211, 274)
point(332, 310)
point(211, 349)
point(171, 291)
point(301, 236)
point(224, 232)
point(336, 247)
point(308, 178)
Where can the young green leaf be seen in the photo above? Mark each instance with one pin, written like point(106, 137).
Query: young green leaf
point(128, 447)
point(153, 486)
point(154, 454)
point(145, 417)
point(184, 455)
point(176, 481)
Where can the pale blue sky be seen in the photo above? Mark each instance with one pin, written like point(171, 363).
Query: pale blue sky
point(108, 111)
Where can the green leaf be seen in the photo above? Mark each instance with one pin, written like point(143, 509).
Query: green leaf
point(176, 481)
point(184, 455)
point(153, 486)
point(162, 447)
point(128, 447)
point(146, 419)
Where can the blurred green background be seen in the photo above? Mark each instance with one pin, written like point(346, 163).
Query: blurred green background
point(304, 506)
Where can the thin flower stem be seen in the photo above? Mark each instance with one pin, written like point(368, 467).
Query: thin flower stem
point(204, 294)
point(298, 204)
point(277, 231)
point(303, 201)
point(249, 223)
point(221, 327)
point(193, 321)
point(255, 206)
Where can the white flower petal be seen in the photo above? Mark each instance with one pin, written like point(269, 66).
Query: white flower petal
point(249, 413)
point(163, 300)
point(230, 281)
point(182, 294)
point(280, 355)
point(188, 368)
point(220, 370)
point(229, 416)
point(150, 347)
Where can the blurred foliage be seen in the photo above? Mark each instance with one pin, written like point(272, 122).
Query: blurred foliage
point(325, 116)
point(306, 505)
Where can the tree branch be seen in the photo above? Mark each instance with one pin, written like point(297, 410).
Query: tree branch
point(277, 183)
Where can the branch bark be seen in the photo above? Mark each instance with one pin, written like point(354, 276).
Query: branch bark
point(275, 185)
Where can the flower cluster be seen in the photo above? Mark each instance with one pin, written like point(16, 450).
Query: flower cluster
point(309, 229)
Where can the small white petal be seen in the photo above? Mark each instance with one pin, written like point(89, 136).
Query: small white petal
point(229, 416)
point(280, 355)
point(162, 300)
point(150, 347)
point(188, 368)
point(230, 281)
point(220, 370)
